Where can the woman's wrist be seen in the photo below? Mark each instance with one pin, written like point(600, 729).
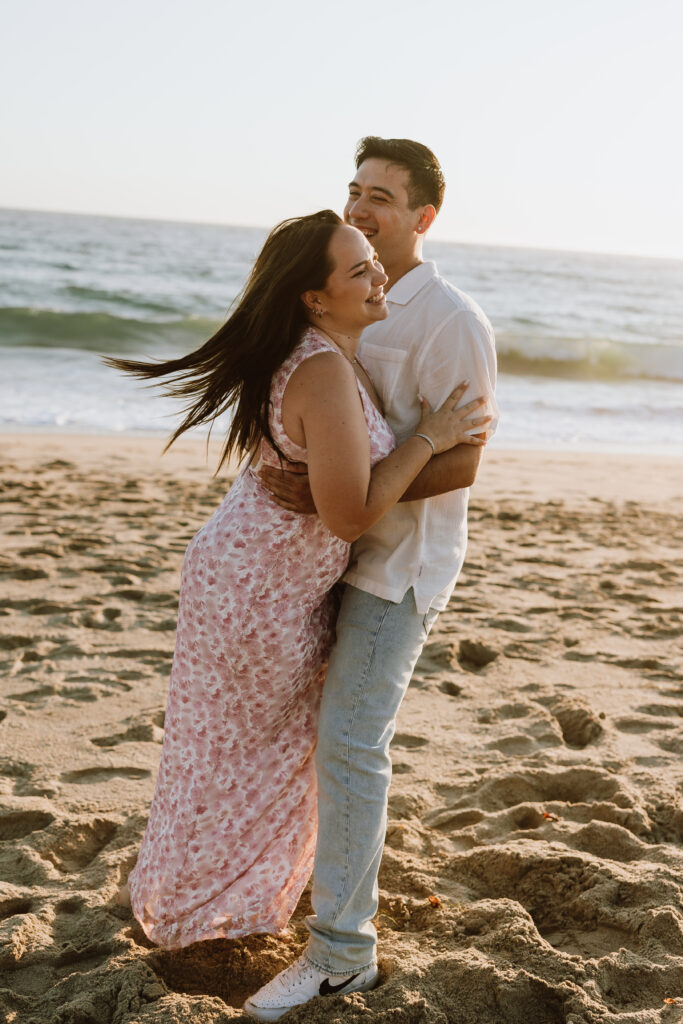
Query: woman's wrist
point(426, 438)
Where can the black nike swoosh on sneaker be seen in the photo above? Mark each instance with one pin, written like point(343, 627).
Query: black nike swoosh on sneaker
point(327, 990)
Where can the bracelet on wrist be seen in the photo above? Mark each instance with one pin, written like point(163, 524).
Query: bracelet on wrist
point(427, 439)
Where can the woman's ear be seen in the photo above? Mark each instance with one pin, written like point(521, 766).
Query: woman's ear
point(308, 299)
point(312, 302)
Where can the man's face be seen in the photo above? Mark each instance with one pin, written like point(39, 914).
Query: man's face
point(378, 206)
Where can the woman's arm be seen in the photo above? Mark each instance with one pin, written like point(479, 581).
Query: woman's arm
point(322, 410)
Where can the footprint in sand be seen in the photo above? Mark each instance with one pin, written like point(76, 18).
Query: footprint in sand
point(634, 724)
point(105, 618)
point(511, 625)
point(672, 744)
point(68, 693)
point(513, 711)
point(130, 594)
point(83, 542)
point(12, 643)
point(536, 729)
point(71, 905)
point(143, 654)
point(49, 550)
point(453, 820)
point(143, 732)
point(407, 742)
point(578, 723)
point(450, 688)
point(520, 745)
point(15, 824)
point(14, 906)
point(115, 566)
point(98, 774)
point(649, 664)
point(73, 846)
point(25, 572)
point(164, 625)
point(31, 656)
point(522, 651)
point(39, 606)
point(610, 841)
point(83, 694)
point(93, 685)
point(579, 788)
point(41, 693)
point(473, 655)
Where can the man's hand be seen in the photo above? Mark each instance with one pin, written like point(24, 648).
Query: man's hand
point(289, 487)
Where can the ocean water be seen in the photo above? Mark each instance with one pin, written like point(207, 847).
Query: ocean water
point(590, 346)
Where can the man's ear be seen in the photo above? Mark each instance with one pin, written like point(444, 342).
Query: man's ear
point(427, 215)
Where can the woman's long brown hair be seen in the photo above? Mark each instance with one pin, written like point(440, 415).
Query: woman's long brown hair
point(235, 367)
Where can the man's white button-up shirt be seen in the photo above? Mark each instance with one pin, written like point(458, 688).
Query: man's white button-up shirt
point(434, 337)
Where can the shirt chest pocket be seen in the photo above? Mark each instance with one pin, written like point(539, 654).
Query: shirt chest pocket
point(385, 366)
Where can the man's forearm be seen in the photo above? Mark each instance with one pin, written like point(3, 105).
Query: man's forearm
point(446, 472)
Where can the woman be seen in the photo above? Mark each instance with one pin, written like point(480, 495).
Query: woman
point(231, 834)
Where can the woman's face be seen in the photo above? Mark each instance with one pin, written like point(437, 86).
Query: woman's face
point(353, 296)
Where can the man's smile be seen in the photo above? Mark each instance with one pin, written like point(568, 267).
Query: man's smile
point(368, 232)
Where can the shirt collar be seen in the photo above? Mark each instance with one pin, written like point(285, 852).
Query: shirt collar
point(411, 283)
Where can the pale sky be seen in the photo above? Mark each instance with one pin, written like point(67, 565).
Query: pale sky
point(557, 124)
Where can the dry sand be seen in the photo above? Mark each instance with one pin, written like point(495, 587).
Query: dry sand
point(532, 871)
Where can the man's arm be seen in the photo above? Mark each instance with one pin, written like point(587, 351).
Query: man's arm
point(446, 472)
point(462, 349)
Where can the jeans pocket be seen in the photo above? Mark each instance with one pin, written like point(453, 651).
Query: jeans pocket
point(428, 621)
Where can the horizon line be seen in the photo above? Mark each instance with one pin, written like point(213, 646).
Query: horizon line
point(260, 227)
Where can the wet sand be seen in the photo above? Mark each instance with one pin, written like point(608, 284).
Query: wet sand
point(532, 871)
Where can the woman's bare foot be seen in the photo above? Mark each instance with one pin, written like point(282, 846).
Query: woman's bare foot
point(123, 896)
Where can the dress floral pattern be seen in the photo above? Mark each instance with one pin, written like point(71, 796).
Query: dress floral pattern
point(231, 835)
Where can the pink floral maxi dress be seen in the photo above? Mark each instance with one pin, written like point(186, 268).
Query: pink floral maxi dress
point(231, 835)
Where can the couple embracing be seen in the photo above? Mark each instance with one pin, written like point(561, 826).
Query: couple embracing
point(282, 703)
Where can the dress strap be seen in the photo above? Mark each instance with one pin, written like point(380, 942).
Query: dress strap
point(310, 344)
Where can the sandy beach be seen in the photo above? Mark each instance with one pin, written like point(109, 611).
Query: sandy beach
point(533, 866)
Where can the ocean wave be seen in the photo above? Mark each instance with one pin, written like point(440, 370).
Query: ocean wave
point(533, 353)
point(587, 358)
point(100, 332)
point(122, 299)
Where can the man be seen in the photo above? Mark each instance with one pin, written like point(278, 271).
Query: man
point(401, 573)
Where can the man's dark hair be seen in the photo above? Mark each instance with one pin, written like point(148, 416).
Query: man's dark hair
point(427, 183)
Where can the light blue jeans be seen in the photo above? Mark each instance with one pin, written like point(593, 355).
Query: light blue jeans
point(378, 643)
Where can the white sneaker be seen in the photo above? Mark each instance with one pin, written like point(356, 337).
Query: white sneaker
point(302, 982)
